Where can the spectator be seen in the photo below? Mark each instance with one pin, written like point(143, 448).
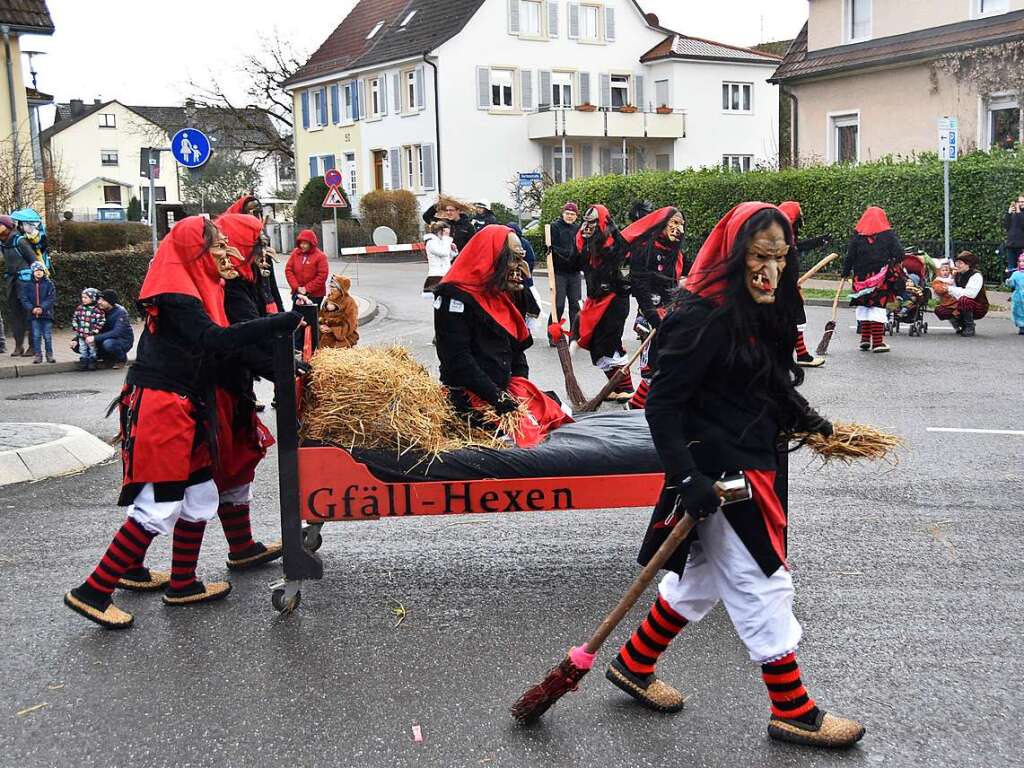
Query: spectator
point(38, 298)
point(969, 291)
point(450, 210)
point(1016, 282)
point(565, 263)
point(440, 251)
point(18, 256)
point(115, 340)
point(1013, 223)
point(88, 320)
point(306, 270)
point(483, 215)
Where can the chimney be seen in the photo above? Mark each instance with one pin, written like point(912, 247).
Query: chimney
point(77, 107)
point(96, 101)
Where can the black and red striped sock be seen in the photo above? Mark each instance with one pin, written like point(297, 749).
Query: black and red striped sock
point(789, 698)
point(237, 524)
point(128, 547)
point(865, 332)
point(639, 400)
point(651, 638)
point(801, 345)
point(877, 330)
point(188, 540)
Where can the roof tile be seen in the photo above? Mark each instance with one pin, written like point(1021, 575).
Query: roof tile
point(26, 16)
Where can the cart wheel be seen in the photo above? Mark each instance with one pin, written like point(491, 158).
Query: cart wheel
point(311, 538)
point(912, 331)
point(925, 328)
point(282, 604)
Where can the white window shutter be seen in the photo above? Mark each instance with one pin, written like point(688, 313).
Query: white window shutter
point(362, 101)
point(584, 97)
point(553, 18)
point(428, 166)
point(544, 98)
point(606, 90)
point(483, 88)
point(549, 159)
point(638, 86)
point(383, 85)
point(574, 21)
point(606, 160)
point(513, 17)
point(609, 23)
point(527, 92)
point(395, 161)
point(587, 160)
point(420, 94)
point(397, 84)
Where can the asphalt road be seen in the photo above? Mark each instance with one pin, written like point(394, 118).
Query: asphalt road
point(908, 580)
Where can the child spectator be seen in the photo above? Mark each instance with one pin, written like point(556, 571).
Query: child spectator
point(38, 298)
point(86, 323)
point(942, 283)
point(440, 248)
point(1016, 282)
point(339, 316)
point(115, 341)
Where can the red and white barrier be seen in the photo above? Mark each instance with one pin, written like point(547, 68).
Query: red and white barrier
point(367, 250)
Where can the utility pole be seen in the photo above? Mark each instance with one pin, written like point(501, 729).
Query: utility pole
point(15, 150)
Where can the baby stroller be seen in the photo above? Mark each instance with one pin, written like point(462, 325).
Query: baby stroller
point(910, 309)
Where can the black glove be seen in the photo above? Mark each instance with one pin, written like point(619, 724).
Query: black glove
point(826, 239)
point(814, 422)
point(302, 367)
point(698, 497)
point(653, 318)
point(285, 321)
point(506, 404)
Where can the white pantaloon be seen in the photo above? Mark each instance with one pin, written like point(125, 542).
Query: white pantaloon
point(240, 494)
point(871, 314)
point(720, 567)
point(198, 506)
point(607, 363)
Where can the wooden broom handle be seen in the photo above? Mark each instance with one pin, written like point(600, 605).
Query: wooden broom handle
point(594, 403)
point(551, 275)
point(817, 268)
point(835, 302)
point(665, 551)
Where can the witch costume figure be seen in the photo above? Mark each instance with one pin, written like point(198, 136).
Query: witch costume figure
point(603, 316)
point(723, 400)
point(656, 267)
point(795, 214)
point(167, 423)
point(482, 338)
point(875, 259)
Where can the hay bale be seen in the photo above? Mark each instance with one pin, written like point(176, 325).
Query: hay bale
point(381, 398)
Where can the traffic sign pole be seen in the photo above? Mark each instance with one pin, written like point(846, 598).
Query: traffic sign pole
point(945, 183)
point(948, 150)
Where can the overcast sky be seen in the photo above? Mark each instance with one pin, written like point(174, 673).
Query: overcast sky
point(143, 51)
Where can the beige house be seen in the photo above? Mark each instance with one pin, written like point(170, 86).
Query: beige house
point(870, 78)
point(21, 179)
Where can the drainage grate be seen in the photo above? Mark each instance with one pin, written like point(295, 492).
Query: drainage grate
point(57, 394)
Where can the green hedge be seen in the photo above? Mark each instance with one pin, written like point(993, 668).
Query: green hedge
point(93, 236)
point(833, 198)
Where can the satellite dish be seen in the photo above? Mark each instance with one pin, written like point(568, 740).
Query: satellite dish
point(384, 236)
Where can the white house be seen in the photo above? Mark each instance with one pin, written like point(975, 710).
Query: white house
point(462, 95)
point(95, 150)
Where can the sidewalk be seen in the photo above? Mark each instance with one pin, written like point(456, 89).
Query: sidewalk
point(19, 367)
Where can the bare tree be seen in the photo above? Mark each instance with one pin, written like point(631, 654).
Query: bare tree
point(264, 72)
point(18, 184)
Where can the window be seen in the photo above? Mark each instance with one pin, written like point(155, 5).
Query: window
point(108, 120)
point(845, 139)
point(620, 90)
point(663, 162)
point(531, 16)
point(108, 157)
point(410, 91)
point(161, 195)
point(737, 162)
point(376, 98)
point(501, 89)
point(351, 177)
point(737, 97)
point(412, 166)
point(590, 18)
point(1004, 123)
point(561, 90)
point(661, 93)
point(112, 194)
point(991, 7)
point(319, 107)
point(408, 18)
point(320, 164)
point(858, 20)
point(375, 30)
point(563, 165)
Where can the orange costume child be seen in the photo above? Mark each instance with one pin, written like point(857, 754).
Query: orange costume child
point(339, 316)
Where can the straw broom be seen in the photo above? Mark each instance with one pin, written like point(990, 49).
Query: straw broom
point(572, 385)
point(852, 442)
point(830, 326)
point(595, 402)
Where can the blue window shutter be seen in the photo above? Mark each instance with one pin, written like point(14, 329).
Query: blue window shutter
point(361, 99)
point(398, 83)
point(428, 166)
point(314, 170)
point(329, 163)
point(383, 93)
point(335, 104)
point(609, 23)
point(305, 109)
point(323, 106)
point(395, 161)
point(553, 19)
point(483, 88)
point(420, 96)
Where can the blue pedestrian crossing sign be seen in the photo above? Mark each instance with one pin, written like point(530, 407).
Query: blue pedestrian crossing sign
point(190, 147)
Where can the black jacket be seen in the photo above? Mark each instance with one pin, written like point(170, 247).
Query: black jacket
point(462, 230)
point(864, 258)
point(268, 288)
point(117, 325)
point(652, 274)
point(18, 255)
point(475, 352)
point(481, 220)
point(564, 256)
point(611, 275)
point(1013, 223)
point(178, 356)
point(244, 301)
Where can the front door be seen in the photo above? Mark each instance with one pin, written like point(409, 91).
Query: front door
point(379, 155)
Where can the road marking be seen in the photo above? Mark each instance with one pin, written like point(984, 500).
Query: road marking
point(1012, 432)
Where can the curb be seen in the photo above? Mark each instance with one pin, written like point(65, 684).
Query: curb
point(75, 451)
point(370, 313)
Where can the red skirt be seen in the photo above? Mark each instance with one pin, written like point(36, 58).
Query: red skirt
point(590, 316)
point(543, 415)
point(162, 440)
point(240, 446)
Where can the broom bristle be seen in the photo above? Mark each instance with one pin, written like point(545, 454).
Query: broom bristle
point(852, 442)
point(826, 339)
point(572, 385)
point(539, 699)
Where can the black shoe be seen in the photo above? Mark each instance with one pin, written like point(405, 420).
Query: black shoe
point(967, 318)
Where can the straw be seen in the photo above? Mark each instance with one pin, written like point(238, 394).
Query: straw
point(852, 442)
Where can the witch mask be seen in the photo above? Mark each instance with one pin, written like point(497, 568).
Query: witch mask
point(766, 261)
point(591, 223)
point(223, 255)
point(675, 228)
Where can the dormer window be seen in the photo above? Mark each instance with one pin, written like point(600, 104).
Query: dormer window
point(991, 7)
point(858, 20)
point(375, 30)
point(408, 18)
point(108, 120)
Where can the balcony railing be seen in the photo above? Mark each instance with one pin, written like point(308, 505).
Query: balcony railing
point(613, 123)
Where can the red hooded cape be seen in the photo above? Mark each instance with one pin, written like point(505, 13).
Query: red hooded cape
point(791, 210)
point(182, 265)
point(472, 273)
point(603, 218)
point(243, 232)
point(239, 205)
point(872, 222)
point(656, 220)
point(708, 269)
